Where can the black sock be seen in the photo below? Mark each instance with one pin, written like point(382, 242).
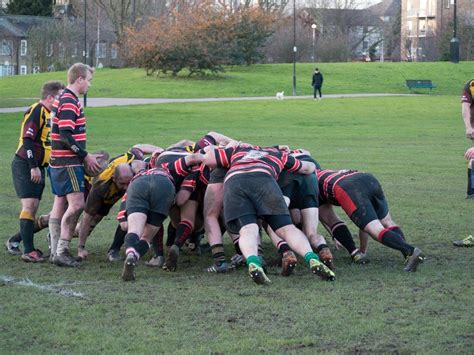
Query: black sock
point(470, 182)
point(171, 234)
point(395, 241)
point(321, 247)
point(142, 247)
point(157, 242)
point(39, 225)
point(341, 233)
point(27, 232)
point(283, 247)
point(399, 231)
point(131, 240)
point(119, 239)
point(218, 254)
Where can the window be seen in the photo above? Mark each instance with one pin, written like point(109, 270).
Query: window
point(6, 47)
point(113, 51)
point(61, 50)
point(101, 50)
point(75, 51)
point(23, 70)
point(6, 70)
point(49, 51)
point(446, 3)
point(23, 47)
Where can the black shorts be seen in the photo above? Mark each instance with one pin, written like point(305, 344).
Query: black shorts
point(24, 187)
point(362, 198)
point(217, 176)
point(302, 190)
point(250, 196)
point(152, 195)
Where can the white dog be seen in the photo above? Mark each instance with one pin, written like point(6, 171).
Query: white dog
point(280, 95)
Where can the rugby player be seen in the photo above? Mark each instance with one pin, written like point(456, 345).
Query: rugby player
point(66, 165)
point(149, 199)
point(250, 192)
point(107, 188)
point(467, 104)
point(28, 170)
point(362, 199)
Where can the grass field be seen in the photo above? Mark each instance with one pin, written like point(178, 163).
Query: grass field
point(414, 145)
point(258, 80)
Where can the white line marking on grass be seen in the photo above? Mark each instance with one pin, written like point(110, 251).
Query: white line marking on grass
point(48, 288)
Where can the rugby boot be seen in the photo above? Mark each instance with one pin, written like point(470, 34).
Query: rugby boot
point(129, 265)
point(113, 255)
point(288, 263)
point(359, 258)
point(33, 257)
point(466, 242)
point(66, 259)
point(414, 260)
point(237, 260)
point(172, 259)
point(156, 261)
point(318, 268)
point(258, 275)
point(325, 256)
point(219, 268)
point(13, 248)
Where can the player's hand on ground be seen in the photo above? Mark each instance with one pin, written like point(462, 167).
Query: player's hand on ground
point(91, 162)
point(35, 175)
point(469, 154)
point(82, 253)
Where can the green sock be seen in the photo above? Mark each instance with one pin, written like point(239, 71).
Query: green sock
point(254, 259)
point(310, 255)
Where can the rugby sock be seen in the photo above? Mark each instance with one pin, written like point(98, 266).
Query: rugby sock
point(255, 260)
point(395, 241)
point(142, 247)
point(218, 254)
point(41, 223)
point(321, 247)
point(470, 182)
point(54, 233)
point(310, 255)
point(283, 247)
point(171, 234)
point(157, 242)
point(398, 230)
point(182, 232)
point(341, 233)
point(27, 224)
point(131, 239)
point(119, 238)
point(63, 246)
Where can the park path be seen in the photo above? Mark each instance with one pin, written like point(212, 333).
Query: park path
point(106, 102)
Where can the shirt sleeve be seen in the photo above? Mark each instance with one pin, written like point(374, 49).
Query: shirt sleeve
point(223, 157)
point(32, 123)
point(291, 163)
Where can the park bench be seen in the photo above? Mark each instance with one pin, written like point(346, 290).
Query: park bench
point(420, 84)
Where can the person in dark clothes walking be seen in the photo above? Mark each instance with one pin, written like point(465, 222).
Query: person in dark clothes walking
point(317, 83)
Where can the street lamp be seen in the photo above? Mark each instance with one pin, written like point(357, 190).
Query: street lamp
point(85, 43)
point(294, 48)
point(454, 43)
point(313, 26)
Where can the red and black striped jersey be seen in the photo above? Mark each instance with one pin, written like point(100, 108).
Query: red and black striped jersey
point(67, 115)
point(35, 126)
point(328, 180)
point(176, 171)
point(247, 158)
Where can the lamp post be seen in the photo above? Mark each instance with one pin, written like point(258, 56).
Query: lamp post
point(85, 43)
point(454, 43)
point(313, 26)
point(294, 48)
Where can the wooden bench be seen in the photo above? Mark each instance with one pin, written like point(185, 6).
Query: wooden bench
point(420, 84)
